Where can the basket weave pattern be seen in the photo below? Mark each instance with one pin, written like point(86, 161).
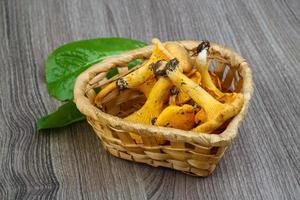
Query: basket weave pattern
point(190, 152)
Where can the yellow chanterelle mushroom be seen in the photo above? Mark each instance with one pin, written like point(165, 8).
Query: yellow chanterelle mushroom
point(207, 82)
point(156, 99)
point(181, 54)
point(181, 117)
point(138, 76)
point(154, 104)
point(216, 112)
point(201, 64)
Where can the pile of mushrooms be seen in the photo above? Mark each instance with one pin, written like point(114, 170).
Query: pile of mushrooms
point(179, 91)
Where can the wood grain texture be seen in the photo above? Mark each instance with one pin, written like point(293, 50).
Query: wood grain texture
point(70, 163)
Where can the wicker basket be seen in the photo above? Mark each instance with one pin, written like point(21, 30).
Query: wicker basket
point(190, 152)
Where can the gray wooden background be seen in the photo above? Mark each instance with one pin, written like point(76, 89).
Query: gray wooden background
point(69, 163)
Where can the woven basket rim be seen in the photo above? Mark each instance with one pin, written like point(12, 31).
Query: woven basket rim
point(223, 139)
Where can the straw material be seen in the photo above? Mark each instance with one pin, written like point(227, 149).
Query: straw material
point(190, 152)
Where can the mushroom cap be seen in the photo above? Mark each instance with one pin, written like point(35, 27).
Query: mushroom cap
point(181, 117)
point(179, 52)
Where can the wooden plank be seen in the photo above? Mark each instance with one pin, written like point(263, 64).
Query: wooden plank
point(70, 163)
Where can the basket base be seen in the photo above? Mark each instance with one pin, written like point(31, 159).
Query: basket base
point(156, 163)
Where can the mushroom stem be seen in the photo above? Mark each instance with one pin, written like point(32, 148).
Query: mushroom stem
point(201, 64)
point(147, 86)
point(196, 92)
point(153, 106)
point(182, 97)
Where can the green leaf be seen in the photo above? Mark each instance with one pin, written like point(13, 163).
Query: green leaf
point(112, 73)
point(134, 63)
point(68, 61)
point(65, 115)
